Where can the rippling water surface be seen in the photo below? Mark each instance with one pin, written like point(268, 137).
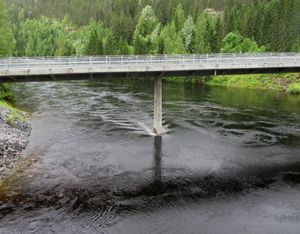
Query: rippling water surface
point(228, 163)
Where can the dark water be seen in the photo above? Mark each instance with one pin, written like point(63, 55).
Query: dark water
point(229, 162)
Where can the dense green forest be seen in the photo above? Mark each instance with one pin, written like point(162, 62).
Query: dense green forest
point(91, 27)
point(97, 27)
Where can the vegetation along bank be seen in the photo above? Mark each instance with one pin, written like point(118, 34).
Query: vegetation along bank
point(289, 83)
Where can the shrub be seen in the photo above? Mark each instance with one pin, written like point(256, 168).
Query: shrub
point(6, 92)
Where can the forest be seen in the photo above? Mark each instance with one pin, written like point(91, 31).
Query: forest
point(78, 27)
point(99, 27)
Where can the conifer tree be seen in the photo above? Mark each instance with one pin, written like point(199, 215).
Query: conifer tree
point(95, 44)
point(144, 29)
point(179, 18)
point(188, 32)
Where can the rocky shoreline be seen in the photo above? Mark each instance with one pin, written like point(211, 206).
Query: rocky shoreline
point(14, 137)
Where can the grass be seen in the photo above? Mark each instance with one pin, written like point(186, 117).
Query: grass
point(15, 115)
point(294, 88)
point(281, 82)
point(246, 81)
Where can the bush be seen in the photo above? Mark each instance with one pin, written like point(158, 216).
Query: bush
point(6, 92)
point(294, 88)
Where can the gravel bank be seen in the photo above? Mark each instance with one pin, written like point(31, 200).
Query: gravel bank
point(14, 137)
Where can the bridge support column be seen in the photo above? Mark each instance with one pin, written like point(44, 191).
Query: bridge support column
point(158, 129)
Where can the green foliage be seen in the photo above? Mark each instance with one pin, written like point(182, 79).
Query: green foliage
point(147, 27)
point(274, 24)
point(95, 44)
point(142, 36)
point(38, 37)
point(63, 43)
point(294, 88)
point(206, 34)
point(179, 17)
point(6, 34)
point(6, 92)
point(245, 81)
point(7, 45)
point(81, 11)
point(296, 46)
point(235, 43)
point(188, 33)
point(171, 41)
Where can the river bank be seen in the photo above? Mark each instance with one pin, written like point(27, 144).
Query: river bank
point(14, 136)
point(289, 83)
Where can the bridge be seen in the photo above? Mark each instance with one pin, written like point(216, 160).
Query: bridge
point(36, 69)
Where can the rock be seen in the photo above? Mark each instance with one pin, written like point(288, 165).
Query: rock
point(13, 140)
point(6, 208)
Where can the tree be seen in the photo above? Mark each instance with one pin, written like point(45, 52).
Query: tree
point(64, 45)
point(93, 41)
point(281, 36)
point(203, 31)
point(188, 33)
point(6, 46)
point(95, 44)
point(235, 43)
point(142, 36)
point(170, 41)
point(179, 17)
point(38, 37)
point(7, 43)
point(296, 46)
point(110, 44)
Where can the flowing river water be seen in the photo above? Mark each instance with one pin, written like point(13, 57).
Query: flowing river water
point(228, 163)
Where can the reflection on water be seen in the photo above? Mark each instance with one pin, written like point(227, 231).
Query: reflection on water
point(229, 162)
point(157, 158)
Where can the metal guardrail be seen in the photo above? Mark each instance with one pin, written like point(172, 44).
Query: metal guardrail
point(235, 59)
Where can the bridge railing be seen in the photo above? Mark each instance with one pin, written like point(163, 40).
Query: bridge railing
point(242, 58)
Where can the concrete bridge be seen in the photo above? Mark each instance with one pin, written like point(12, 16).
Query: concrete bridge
point(142, 66)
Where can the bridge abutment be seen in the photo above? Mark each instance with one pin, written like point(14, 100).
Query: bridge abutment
point(158, 129)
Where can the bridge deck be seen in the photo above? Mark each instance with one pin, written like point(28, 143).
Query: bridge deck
point(72, 68)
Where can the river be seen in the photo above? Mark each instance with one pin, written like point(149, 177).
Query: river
point(228, 163)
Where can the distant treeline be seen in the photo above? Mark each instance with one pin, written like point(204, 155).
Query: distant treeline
point(96, 27)
point(109, 12)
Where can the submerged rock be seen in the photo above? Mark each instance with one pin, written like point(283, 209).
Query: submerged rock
point(14, 137)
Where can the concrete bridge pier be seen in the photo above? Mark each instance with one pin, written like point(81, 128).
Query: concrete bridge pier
point(158, 129)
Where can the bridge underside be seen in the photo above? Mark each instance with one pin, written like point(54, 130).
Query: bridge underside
point(147, 74)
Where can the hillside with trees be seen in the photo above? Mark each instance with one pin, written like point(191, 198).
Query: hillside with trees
point(99, 27)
